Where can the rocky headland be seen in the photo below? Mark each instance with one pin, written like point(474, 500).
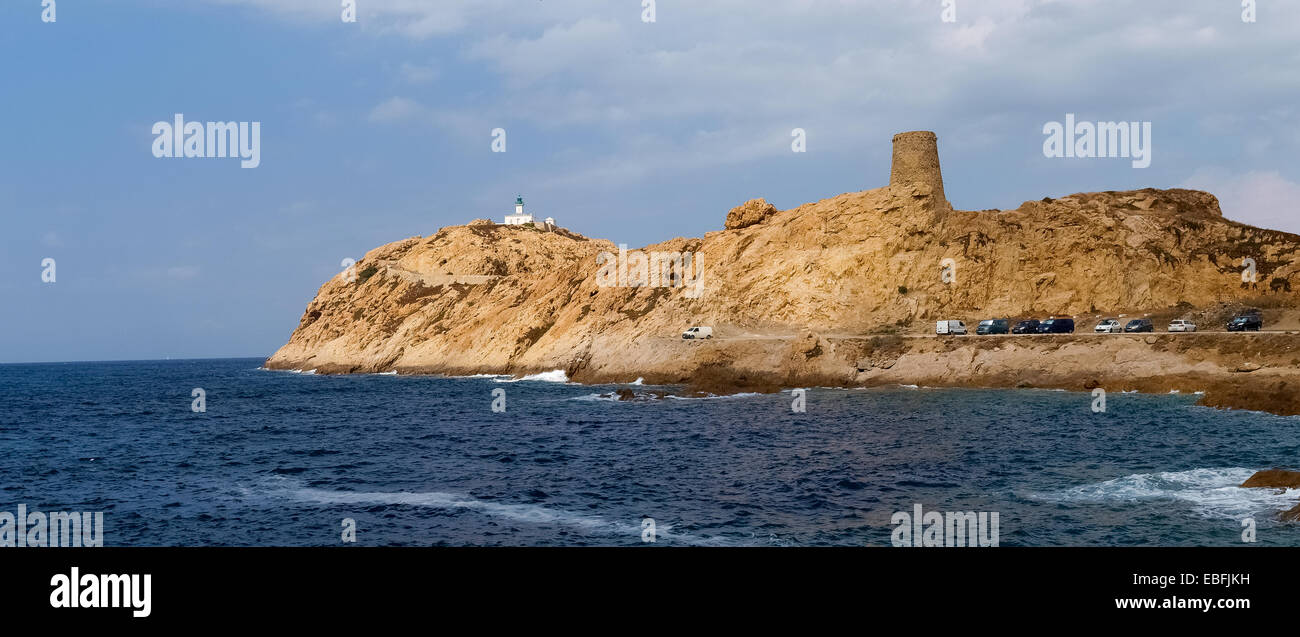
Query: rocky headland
point(840, 292)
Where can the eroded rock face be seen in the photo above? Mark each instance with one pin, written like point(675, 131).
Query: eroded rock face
point(749, 213)
point(1274, 478)
point(1291, 515)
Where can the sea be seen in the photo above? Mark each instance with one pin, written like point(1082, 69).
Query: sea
point(224, 452)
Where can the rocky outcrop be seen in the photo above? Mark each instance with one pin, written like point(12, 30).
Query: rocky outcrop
point(1277, 479)
point(751, 212)
point(1274, 479)
point(791, 295)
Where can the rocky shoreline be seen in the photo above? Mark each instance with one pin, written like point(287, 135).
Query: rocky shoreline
point(1254, 371)
point(1277, 479)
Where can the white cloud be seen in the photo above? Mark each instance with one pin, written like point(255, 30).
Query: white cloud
point(1259, 198)
point(971, 36)
point(712, 81)
point(415, 19)
point(559, 49)
point(417, 74)
point(396, 109)
point(461, 124)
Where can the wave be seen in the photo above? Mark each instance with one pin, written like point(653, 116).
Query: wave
point(553, 376)
point(1214, 493)
point(623, 395)
point(611, 397)
point(530, 513)
point(746, 394)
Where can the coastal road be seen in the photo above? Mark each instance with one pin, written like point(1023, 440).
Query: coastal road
point(1096, 334)
point(1080, 333)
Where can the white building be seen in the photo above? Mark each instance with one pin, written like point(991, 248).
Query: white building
point(518, 218)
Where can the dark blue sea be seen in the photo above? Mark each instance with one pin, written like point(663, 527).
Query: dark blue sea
point(281, 458)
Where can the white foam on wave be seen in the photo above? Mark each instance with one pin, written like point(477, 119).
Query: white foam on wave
point(740, 395)
point(601, 397)
point(553, 376)
point(638, 381)
point(530, 513)
point(1213, 493)
point(288, 371)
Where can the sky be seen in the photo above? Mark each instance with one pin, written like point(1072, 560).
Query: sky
point(619, 127)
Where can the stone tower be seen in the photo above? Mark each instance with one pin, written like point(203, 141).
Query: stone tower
point(916, 160)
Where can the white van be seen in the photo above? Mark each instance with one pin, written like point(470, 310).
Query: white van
point(949, 327)
point(698, 332)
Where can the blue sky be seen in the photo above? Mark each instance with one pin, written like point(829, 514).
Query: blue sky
point(621, 129)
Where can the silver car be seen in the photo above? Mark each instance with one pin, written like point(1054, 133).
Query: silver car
point(1108, 326)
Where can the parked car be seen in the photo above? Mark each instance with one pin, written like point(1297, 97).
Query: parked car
point(949, 327)
point(1056, 326)
point(1026, 327)
point(1179, 325)
point(1245, 322)
point(1108, 326)
point(993, 326)
point(1139, 325)
point(698, 332)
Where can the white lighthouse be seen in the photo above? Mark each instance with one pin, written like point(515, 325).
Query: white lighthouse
point(519, 218)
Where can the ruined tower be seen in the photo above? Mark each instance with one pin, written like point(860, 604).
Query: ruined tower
point(916, 160)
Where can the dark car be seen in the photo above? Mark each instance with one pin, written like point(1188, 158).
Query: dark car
point(1139, 325)
point(1025, 327)
point(993, 326)
point(1056, 326)
point(1246, 322)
